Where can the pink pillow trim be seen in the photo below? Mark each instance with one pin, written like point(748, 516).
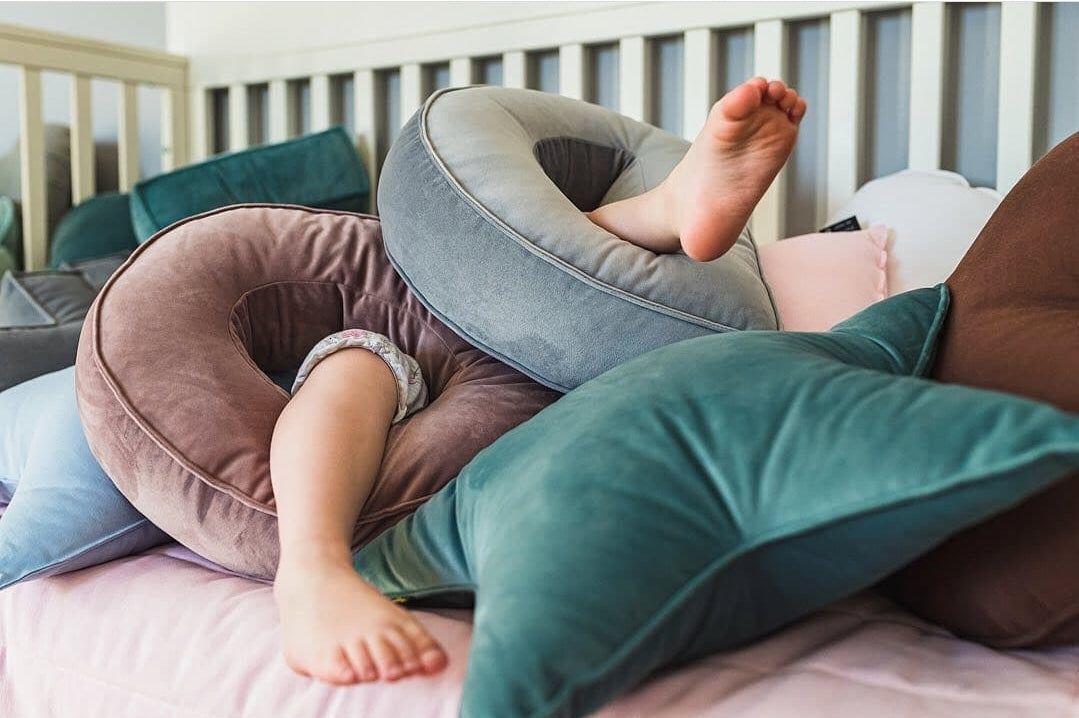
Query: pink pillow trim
point(878, 235)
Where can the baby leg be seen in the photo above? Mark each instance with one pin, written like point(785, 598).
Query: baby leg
point(325, 454)
point(702, 206)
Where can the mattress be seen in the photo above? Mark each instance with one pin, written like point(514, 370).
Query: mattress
point(165, 634)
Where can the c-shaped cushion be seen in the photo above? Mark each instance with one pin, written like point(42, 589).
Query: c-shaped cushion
point(484, 189)
point(173, 362)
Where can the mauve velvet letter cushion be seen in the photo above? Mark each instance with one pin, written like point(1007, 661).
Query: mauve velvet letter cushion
point(173, 362)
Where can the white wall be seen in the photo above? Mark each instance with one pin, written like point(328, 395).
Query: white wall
point(224, 28)
point(131, 23)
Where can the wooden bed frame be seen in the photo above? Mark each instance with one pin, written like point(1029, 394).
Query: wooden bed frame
point(974, 88)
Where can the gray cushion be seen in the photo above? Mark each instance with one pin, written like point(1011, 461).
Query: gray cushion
point(481, 198)
point(41, 316)
point(43, 298)
point(97, 270)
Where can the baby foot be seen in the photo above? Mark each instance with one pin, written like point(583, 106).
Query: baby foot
point(748, 136)
point(339, 629)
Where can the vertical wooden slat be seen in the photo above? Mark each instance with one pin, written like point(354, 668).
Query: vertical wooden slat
point(277, 102)
point(514, 69)
point(571, 71)
point(32, 170)
point(365, 110)
point(634, 75)
point(1015, 107)
point(128, 131)
point(770, 60)
point(461, 72)
point(845, 107)
point(200, 124)
point(411, 90)
point(699, 79)
point(238, 120)
point(82, 140)
point(927, 56)
point(320, 102)
point(175, 152)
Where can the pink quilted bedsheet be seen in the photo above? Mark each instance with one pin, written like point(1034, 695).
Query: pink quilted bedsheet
point(161, 636)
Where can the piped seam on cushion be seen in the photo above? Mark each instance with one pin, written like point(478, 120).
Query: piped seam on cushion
point(932, 336)
point(791, 530)
point(927, 352)
point(553, 259)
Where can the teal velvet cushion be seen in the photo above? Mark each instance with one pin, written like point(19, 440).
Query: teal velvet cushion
point(98, 227)
point(707, 493)
point(60, 511)
point(10, 235)
point(321, 170)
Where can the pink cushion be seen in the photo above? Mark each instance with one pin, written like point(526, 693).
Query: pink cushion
point(818, 280)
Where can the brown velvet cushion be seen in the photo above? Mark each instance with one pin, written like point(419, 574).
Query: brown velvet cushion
point(1014, 327)
point(179, 410)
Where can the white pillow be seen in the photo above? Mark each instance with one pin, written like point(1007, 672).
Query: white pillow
point(934, 217)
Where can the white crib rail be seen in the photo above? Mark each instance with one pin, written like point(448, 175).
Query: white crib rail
point(34, 51)
point(390, 77)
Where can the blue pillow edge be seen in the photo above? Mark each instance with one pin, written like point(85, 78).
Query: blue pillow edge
point(65, 564)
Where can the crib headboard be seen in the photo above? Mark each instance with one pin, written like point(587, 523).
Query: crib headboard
point(983, 89)
point(33, 53)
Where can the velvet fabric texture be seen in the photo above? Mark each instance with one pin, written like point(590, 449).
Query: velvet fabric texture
point(1011, 581)
point(707, 493)
point(98, 227)
point(41, 316)
point(484, 189)
point(10, 235)
point(321, 169)
point(173, 363)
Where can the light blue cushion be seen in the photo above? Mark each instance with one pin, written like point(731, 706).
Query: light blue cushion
point(62, 512)
point(707, 493)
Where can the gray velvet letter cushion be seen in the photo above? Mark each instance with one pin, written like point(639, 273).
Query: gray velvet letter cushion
point(481, 200)
point(173, 386)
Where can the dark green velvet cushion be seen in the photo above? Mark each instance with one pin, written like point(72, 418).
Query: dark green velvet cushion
point(98, 227)
point(707, 493)
point(10, 235)
point(321, 170)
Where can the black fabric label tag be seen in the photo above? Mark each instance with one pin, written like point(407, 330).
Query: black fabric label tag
point(850, 224)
